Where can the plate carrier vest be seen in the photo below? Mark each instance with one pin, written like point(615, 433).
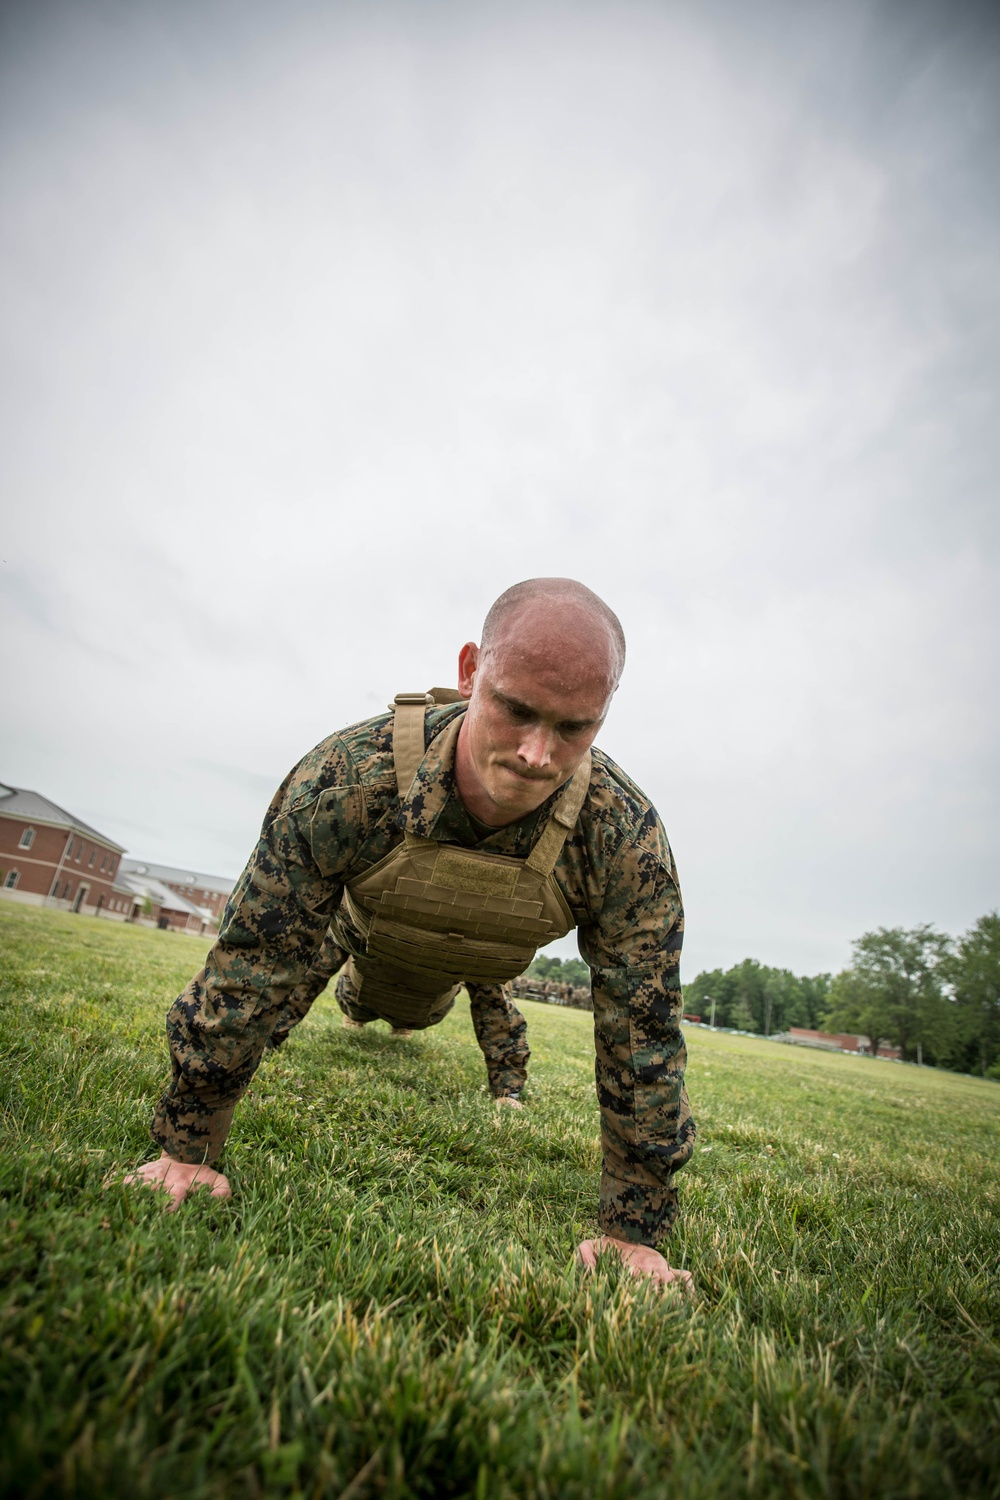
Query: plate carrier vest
point(435, 915)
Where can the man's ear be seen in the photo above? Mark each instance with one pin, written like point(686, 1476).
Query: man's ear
point(468, 661)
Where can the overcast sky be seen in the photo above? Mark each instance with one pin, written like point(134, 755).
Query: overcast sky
point(323, 323)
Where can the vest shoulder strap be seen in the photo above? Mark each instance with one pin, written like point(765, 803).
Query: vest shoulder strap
point(562, 821)
point(408, 730)
point(408, 737)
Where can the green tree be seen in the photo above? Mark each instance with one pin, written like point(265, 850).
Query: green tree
point(750, 998)
point(702, 990)
point(559, 970)
point(815, 998)
point(770, 999)
point(974, 973)
point(546, 966)
point(743, 1016)
point(895, 989)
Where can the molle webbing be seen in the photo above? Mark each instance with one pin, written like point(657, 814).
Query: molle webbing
point(443, 914)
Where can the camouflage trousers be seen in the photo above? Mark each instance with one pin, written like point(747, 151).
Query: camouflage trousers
point(501, 1030)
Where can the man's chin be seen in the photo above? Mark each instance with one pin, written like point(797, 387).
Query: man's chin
point(516, 795)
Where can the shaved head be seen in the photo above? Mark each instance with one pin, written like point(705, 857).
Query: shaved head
point(562, 610)
point(539, 688)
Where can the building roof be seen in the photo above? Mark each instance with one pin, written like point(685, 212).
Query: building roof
point(179, 874)
point(161, 895)
point(18, 802)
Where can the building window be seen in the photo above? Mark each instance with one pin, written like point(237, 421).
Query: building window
point(79, 850)
point(104, 862)
point(93, 856)
point(27, 839)
point(13, 876)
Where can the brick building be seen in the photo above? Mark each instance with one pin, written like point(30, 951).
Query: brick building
point(208, 892)
point(839, 1041)
point(157, 905)
point(48, 857)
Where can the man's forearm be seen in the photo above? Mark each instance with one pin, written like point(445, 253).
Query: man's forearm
point(647, 1132)
point(212, 1061)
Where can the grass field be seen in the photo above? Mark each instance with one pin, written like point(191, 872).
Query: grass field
point(389, 1305)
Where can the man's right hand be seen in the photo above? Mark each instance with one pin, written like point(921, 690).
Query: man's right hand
point(178, 1178)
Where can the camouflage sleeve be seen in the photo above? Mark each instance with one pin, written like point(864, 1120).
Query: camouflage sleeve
point(502, 1033)
point(633, 949)
point(330, 958)
point(271, 932)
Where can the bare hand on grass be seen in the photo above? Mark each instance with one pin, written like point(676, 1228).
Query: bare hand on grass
point(641, 1260)
point(178, 1178)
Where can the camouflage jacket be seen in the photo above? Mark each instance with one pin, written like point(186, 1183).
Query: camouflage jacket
point(335, 815)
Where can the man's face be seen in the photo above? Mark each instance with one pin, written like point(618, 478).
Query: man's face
point(533, 715)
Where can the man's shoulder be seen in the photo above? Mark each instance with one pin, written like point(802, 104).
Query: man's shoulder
point(354, 754)
point(359, 755)
point(613, 795)
point(616, 801)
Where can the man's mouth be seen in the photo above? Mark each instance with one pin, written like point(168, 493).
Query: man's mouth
point(525, 775)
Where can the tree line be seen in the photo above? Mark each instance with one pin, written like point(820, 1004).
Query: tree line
point(559, 970)
point(934, 997)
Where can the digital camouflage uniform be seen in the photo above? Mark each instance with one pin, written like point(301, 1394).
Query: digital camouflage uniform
point(335, 816)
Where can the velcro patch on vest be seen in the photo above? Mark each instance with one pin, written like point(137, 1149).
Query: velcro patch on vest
point(425, 895)
point(459, 871)
point(437, 916)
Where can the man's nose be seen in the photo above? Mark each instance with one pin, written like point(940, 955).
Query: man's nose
point(535, 748)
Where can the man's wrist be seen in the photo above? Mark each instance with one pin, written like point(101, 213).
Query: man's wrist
point(185, 1157)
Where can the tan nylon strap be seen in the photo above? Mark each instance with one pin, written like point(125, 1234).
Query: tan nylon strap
point(408, 730)
point(562, 821)
point(408, 737)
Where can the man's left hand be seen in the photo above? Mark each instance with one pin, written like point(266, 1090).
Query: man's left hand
point(641, 1260)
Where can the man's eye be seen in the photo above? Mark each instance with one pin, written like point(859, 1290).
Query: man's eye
point(516, 712)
